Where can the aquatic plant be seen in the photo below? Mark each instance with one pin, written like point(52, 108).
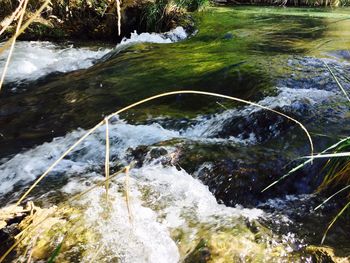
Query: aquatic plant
point(163, 14)
point(336, 169)
point(157, 15)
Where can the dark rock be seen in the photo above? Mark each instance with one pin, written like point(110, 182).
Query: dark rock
point(228, 36)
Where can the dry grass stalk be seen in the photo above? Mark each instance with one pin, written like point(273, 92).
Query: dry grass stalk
point(22, 12)
point(14, 16)
point(97, 185)
point(93, 259)
point(127, 193)
point(107, 158)
point(25, 26)
point(119, 17)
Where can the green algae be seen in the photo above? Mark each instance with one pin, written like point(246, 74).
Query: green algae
point(238, 51)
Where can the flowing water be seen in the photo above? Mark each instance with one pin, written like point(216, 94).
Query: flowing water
point(199, 163)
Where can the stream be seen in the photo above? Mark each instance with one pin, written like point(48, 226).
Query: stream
point(200, 163)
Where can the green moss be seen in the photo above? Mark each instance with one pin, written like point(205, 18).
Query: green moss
point(237, 243)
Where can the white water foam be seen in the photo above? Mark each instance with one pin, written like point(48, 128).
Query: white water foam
point(34, 59)
point(26, 166)
point(287, 97)
point(174, 198)
point(174, 35)
point(161, 199)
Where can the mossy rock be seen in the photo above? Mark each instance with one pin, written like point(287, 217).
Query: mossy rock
point(38, 30)
point(323, 254)
point(238, 243)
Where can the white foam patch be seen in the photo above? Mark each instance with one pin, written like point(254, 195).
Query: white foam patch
point(287, 97)
point(161, 199)
point(27, 166)
point(174, 35)
point(34, 59)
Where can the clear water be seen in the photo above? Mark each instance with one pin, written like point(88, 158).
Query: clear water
point(202, 162)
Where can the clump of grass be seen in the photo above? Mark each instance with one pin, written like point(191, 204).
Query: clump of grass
point(337, 176)
point(337, 168)
point(192, 5)
point(157, 15)
point(161, 14)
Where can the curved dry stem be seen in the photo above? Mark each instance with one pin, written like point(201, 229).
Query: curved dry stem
point(154, 98)
point(219, 96)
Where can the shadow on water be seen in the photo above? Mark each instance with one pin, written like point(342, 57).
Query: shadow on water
point(291, 34)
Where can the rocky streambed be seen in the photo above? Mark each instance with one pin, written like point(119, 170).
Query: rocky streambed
point(199, 164)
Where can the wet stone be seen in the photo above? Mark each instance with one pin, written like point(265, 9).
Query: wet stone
point(228, 36)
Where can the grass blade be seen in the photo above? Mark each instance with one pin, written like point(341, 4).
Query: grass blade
point(55, 253)
point(305, 163)
point(337, 81)
point(333, 195)
point(333, 221)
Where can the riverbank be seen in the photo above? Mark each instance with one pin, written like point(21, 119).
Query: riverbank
point(113, 20)
point(98, 20)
